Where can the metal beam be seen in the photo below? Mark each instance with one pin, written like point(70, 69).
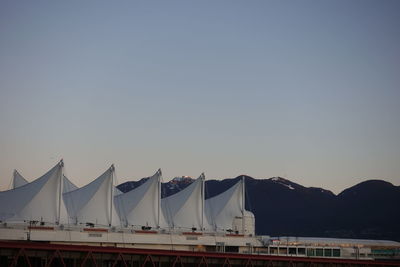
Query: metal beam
point(176, 261)
point(16, 257)
point(116, 260)
point(56, 252)
point(89, 254)
point(150, 259)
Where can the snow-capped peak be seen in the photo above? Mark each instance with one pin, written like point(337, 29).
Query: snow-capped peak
point(282, 181)
point(182, 179)
point(180, 182)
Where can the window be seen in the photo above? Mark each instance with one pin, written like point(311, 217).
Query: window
point(273, 250)
point(328, 252)
point(319, 252)
point(310, 252)
point(301, 251)
point(231, 249)
point(283, 251)
point(336, 252)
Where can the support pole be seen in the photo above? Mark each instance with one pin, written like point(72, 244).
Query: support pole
point(243, 202)
point(159, 198)
point(112, 192)
point(60, 188)
point(203, 180)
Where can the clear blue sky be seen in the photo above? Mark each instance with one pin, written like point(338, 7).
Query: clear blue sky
point(307, 90)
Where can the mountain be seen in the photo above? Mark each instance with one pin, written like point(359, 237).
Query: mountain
point(370, 209)
point(175, 185)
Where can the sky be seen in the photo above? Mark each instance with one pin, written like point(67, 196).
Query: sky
point(307, 90)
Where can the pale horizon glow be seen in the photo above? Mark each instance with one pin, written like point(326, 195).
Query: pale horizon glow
point(306, 90)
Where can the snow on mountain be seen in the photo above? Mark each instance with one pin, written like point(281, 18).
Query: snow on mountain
point(283, 181)
point(179, 183)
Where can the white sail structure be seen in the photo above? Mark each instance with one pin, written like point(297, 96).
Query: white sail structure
point(39, 200)
point(68, 185)
point(18, 180)
point(117, 191)
point(140, 207)
point(185, 209)
point(226, 211)
point(93, 203)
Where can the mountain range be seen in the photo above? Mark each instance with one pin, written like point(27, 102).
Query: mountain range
point(368, 210)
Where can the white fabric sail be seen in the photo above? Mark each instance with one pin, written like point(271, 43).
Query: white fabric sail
point(68, 185)
point(18, 180)
point(185, 209)
point(93, 203)
point(39, 200)
point(117, 191)
point(141, 206)
point(223, 210)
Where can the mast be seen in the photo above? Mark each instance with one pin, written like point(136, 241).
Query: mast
point(159, 198)
point(203, 179)
point(112, 192)
point(243, 203)
point(13, 179)
point(60, 191)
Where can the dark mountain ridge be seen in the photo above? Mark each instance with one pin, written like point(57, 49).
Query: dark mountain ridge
point(370, 209)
